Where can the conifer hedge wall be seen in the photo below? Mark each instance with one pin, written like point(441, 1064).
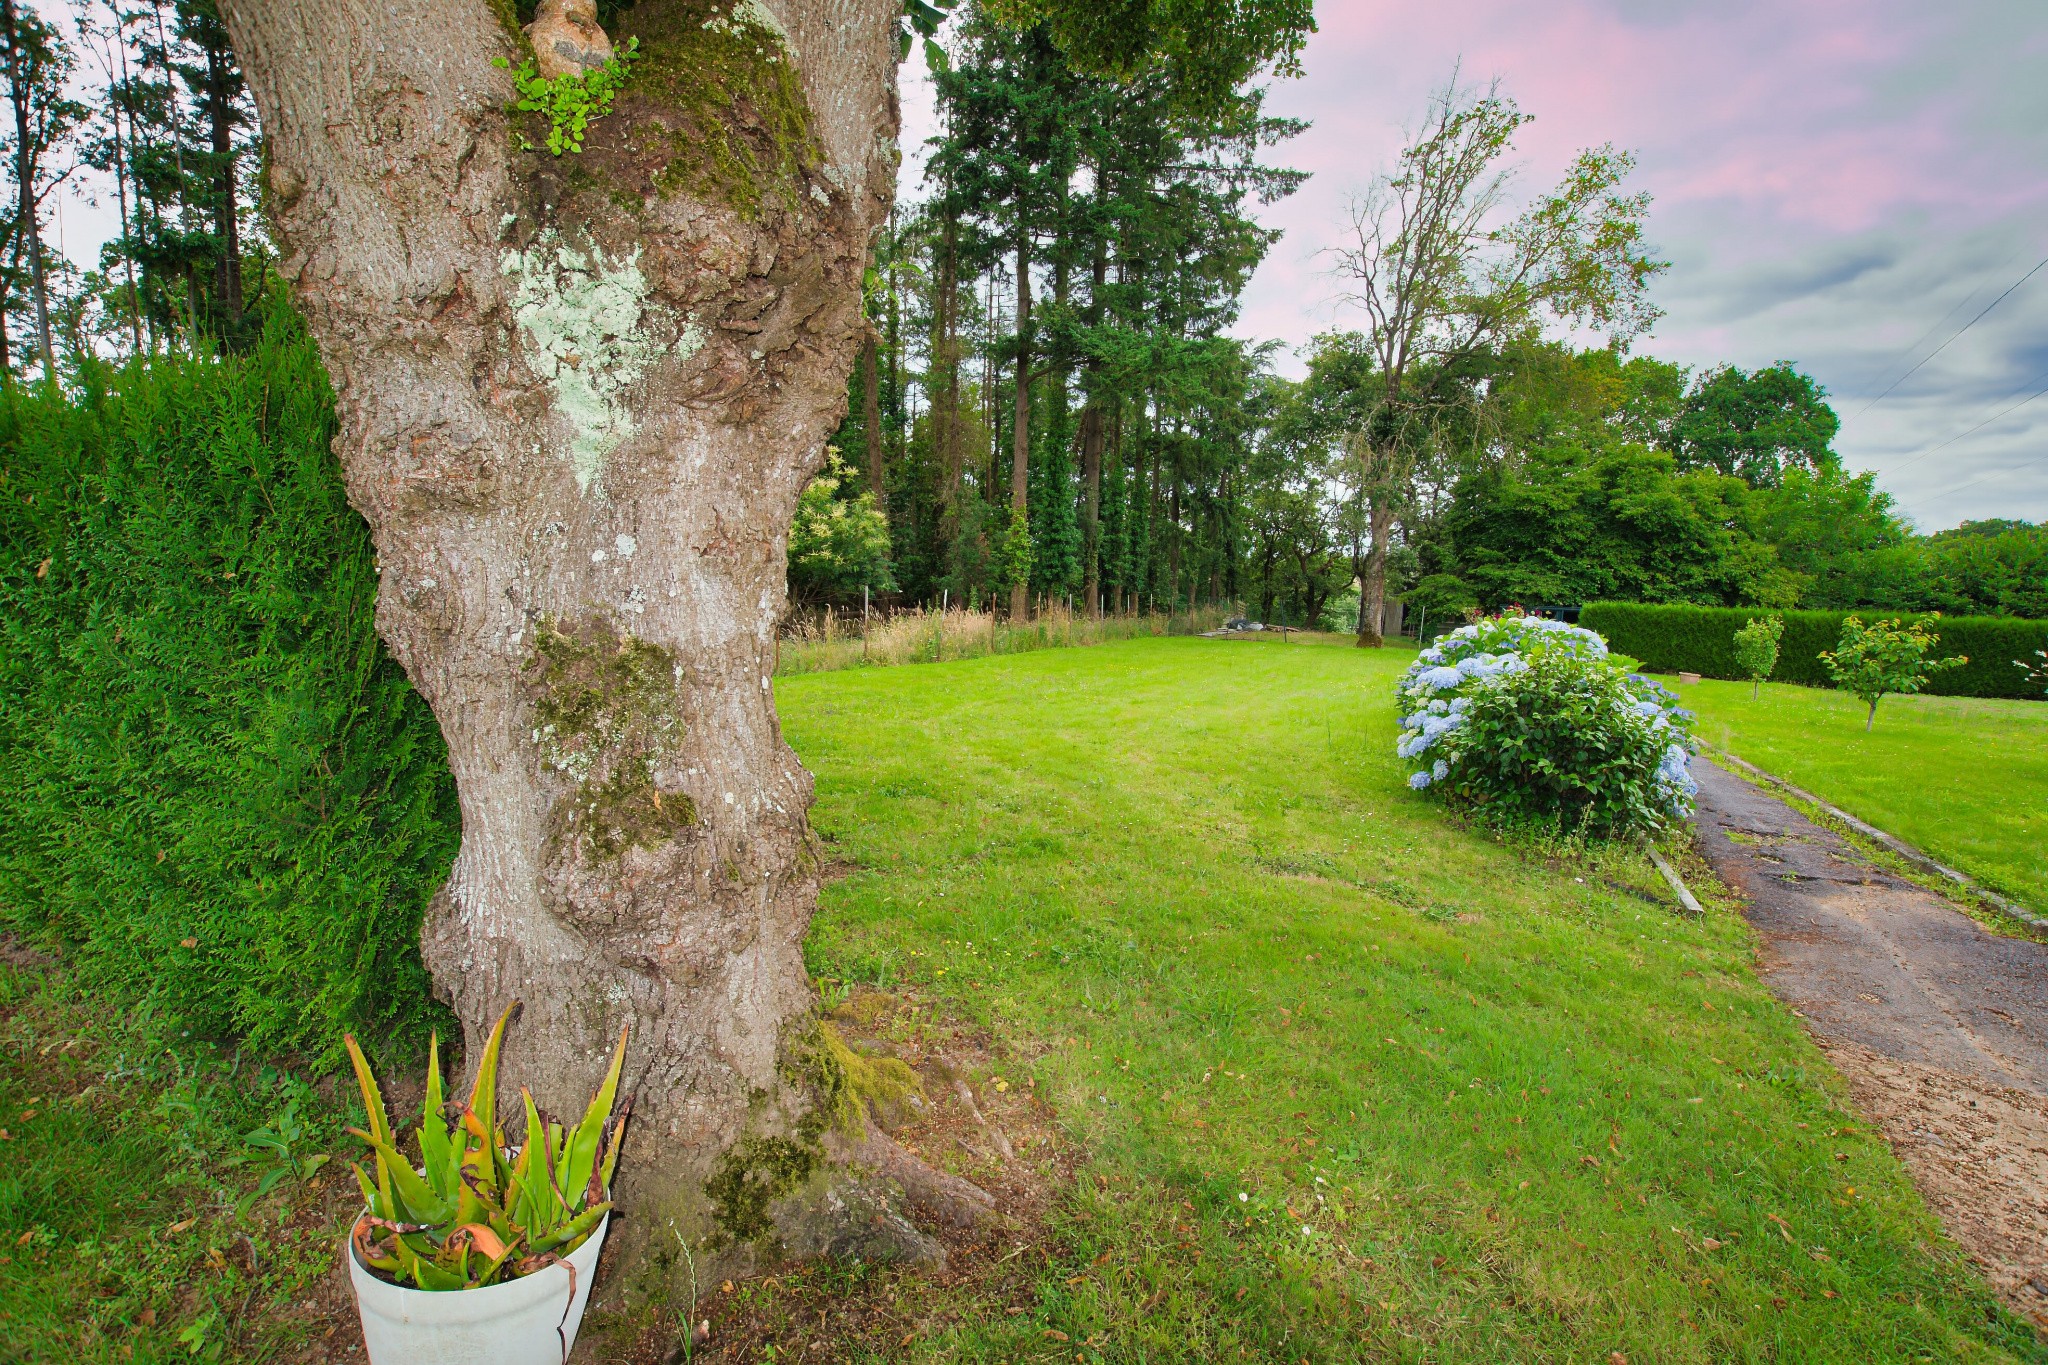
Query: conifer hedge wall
point(218, 794)
point(1672, 639)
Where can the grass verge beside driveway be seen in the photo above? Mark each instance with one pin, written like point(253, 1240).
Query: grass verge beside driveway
point(1356, 1083)
point(1963, 778)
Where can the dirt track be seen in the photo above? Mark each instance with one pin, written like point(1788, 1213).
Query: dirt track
point(1939, 1026)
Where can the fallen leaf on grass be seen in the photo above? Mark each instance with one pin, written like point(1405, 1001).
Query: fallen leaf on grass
point(1054, 1333)
point(180, 1227)
point(146, 1318)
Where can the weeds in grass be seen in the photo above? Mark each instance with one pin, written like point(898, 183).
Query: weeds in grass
point(134, 1223)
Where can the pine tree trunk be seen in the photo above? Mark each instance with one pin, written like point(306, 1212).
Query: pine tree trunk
point(1091, 448)
point(578, 402)
point(871, 423)
point(1020, 431)
point(227, 216)
point(26, 222)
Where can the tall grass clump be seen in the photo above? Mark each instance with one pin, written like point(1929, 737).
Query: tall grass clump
point(219, 797)
point(827, 641)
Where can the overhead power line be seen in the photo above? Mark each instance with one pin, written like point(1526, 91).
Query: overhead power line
point(2037, 379)
point(1958, 306)
point(1952, 336)
point(1996, 473)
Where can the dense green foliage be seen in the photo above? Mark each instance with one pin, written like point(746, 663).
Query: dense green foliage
point(216, 790)
point(1963, 778)
point(1675, 639)
point(1085, 239)
point(1191, 902)
point(1533, 723)
point(1583, 476)
point(838, 542)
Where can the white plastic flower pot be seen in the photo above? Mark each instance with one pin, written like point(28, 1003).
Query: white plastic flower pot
point(528, 1321)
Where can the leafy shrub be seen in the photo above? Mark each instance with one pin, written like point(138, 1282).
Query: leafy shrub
point(838, 544)
point(217, 791)
point(1756, 650)
point(1670, 639)
point(1884, 657)
point(1534, 721)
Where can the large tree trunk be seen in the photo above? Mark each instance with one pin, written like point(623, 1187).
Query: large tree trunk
point(578, 399)
point(1372, 575)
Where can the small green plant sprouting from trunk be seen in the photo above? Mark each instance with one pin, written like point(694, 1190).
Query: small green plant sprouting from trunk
point(570, 101)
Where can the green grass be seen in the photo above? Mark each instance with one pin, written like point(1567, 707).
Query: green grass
point(1963, 778)
point(1352, 1082)
point(131, 1230)
point(1347, 1081)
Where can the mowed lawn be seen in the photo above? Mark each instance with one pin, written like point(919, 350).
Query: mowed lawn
point(1349, 1082)
point(1964, 778)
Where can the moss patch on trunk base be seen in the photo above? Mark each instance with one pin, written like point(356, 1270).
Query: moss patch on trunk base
point(603, 711)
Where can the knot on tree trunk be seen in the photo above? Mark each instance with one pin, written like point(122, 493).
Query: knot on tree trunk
point(566, 37)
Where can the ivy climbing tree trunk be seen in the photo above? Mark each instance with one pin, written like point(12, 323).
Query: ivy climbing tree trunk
point(578, 399)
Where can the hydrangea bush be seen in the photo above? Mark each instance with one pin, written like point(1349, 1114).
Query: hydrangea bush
point(1528, 720)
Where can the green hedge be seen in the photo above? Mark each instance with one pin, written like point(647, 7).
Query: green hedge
point(1670, 639)
point(218, 794)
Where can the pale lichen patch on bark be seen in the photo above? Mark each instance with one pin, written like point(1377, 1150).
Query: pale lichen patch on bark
point(587, 324)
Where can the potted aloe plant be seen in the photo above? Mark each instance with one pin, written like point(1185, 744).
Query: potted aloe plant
point(480, 1251)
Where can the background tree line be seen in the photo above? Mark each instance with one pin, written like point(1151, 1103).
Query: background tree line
point(1050, 406)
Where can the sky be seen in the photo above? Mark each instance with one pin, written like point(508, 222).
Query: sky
point(1845, 184)
point(1839, 183)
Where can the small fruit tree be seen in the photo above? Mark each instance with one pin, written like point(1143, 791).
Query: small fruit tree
point(1756, 650)
point(1884, 657)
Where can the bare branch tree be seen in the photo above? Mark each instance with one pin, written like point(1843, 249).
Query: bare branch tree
point(1440, 279)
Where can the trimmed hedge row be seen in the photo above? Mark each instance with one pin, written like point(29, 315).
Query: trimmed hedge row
point(218, 794)
point(1672, 639)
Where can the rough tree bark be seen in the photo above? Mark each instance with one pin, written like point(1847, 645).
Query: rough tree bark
point(1020, 415)
point(871, 424)
point(1372, 574)
point(578, 399)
